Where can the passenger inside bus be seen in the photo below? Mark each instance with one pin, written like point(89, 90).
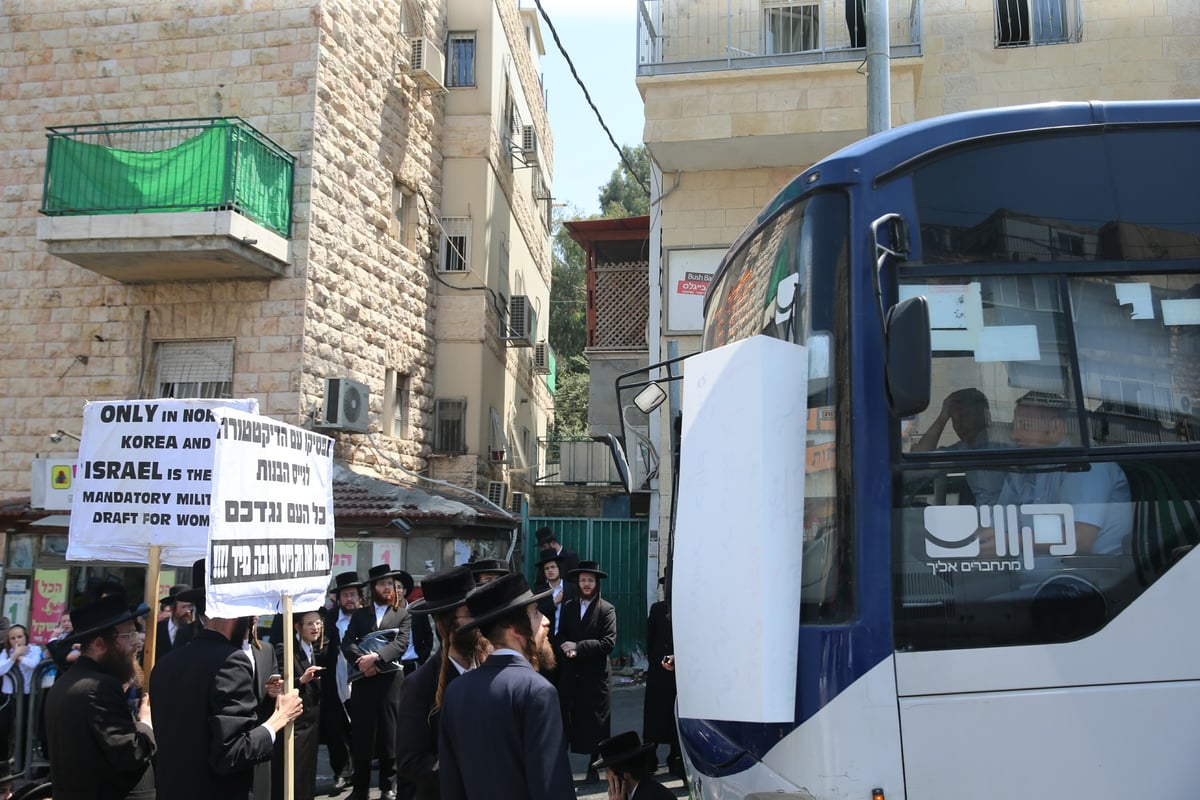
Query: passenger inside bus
point(968, 413)
point(1099, 497)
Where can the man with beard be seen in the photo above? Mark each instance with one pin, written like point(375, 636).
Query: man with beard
point(501, 735)
point(375, 641)
point(175, 630)
point(335, 686)
point(211, 739)
point(587, 634)
point(99, 749)
point(421, 697)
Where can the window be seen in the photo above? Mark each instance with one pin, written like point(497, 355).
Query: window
point(402, 211)
point(396, 395)
point(1025, 22)
point(460, 59)
point(792, 28)
point(498, 451)
point(541, 196)
point(199, 369)
point(510, 122)
point(455, 254)
point(1041, 491)
point(449, 425)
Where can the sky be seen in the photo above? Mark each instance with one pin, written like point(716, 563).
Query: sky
point(601, 38)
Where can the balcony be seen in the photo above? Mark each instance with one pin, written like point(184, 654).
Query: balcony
point(743, 84)
point(676, 36)
point(168, 200)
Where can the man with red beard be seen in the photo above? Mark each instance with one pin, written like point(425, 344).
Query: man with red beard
point(374, 645)
point(444, 599)
point(501, 735)
point(587, 634)
point(99, 749)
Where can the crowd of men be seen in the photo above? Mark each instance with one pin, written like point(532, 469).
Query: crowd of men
point(518, 676)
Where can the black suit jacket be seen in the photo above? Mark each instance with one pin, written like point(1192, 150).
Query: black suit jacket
point(501, 735)
point(584, 681)
point(651, 789)
point(417, 731)
point(162, 644)
point(375, 701)
point(209, 736)
point(422, 637)
point(100, 753)
point(306, 729)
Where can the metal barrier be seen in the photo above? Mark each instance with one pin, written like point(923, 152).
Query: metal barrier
point(33, 717)
point(202, 164)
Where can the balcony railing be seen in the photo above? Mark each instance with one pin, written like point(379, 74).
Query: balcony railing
point(210, 164)
point(701, 35)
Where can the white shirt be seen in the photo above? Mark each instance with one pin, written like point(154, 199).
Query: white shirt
point(583, 607)
point(508, 651)
point(379, 612)
point(171, 629)
point(556, 596)
point(307, 650)
point(342, 670)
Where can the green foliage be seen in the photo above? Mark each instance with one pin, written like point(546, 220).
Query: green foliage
point(571, 399)
point(568, 294)
point(628, 195)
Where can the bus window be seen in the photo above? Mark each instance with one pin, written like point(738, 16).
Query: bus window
point(1018, 520)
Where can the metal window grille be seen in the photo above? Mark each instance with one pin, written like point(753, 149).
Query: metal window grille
point(1031, 22)
point(792, 29)
point(449, 424)
point(460, 59)
point(194, 369)
point(397, 403)
point(456, 244)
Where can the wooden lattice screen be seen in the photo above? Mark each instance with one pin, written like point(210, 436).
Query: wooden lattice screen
point(622, 299)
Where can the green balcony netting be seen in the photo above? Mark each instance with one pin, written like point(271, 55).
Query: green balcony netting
point(221, 165)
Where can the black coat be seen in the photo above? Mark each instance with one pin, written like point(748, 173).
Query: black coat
point(209, 736)
point(100, 752)
point(422, 637)
point(417, 730)
point(306, 727)
point(375, 701)
point(162, 644)
point(335, 723)
point(658, 709)
point(500, 736)
point(547, 606)
point(651, 789)
point(583, 681)
point(265, 665)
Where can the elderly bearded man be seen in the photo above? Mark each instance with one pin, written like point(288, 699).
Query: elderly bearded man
point(100, 751)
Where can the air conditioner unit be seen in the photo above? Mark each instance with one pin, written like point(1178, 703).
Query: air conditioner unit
point(345, 408)
point(497, 492)
point(518, 503)
point(521, 326)
point(428, 64)
point(541, 358)
point(529, 145)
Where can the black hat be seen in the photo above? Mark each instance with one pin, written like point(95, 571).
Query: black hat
point(489, 565)
point(546, 556)
point(622, 748)
point(347, 580)
point(496, 598)
point(195, 594)
point(444, 590)
point(591, 567)
point(545, 534)
point(172, 592)
point(99, 615)
point(381, 571)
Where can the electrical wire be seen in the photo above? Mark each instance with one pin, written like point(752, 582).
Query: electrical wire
point(570, 64)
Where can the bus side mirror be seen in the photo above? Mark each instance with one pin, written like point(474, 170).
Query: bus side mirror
point(908, 357)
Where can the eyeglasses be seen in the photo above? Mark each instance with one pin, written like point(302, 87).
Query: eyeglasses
point(128, 635)
point(313, 623)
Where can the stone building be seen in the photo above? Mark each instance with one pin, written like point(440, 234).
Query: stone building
point(742, 97)
point(378, 214)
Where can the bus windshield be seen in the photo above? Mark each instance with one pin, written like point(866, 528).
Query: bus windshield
point(784, 283)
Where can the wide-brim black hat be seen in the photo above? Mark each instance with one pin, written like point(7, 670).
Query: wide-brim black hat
point(489, 565)
point(545, 534)
point(592, 567)
point(546, 556)
point(444, 590)
point(347, 580)
point(622, 748)
point(381, 571)
point(496, 598)
point(100, 615)
point(196, 593)
point(173, 593)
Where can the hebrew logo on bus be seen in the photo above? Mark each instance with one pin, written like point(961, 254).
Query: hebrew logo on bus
point(1008, 531)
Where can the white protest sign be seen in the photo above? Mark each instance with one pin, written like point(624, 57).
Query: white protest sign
point(272, 517)
point(144, 477)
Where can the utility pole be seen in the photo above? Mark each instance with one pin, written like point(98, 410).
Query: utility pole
point(879, 67)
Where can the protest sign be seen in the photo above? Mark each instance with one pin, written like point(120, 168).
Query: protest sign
point(49, 603)
point(144, 479)
point(272, 517)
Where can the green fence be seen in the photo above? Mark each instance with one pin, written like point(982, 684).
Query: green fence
point(169, 165)
point(620, 545)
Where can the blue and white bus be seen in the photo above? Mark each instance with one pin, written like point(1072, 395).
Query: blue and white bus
point(940, 470)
